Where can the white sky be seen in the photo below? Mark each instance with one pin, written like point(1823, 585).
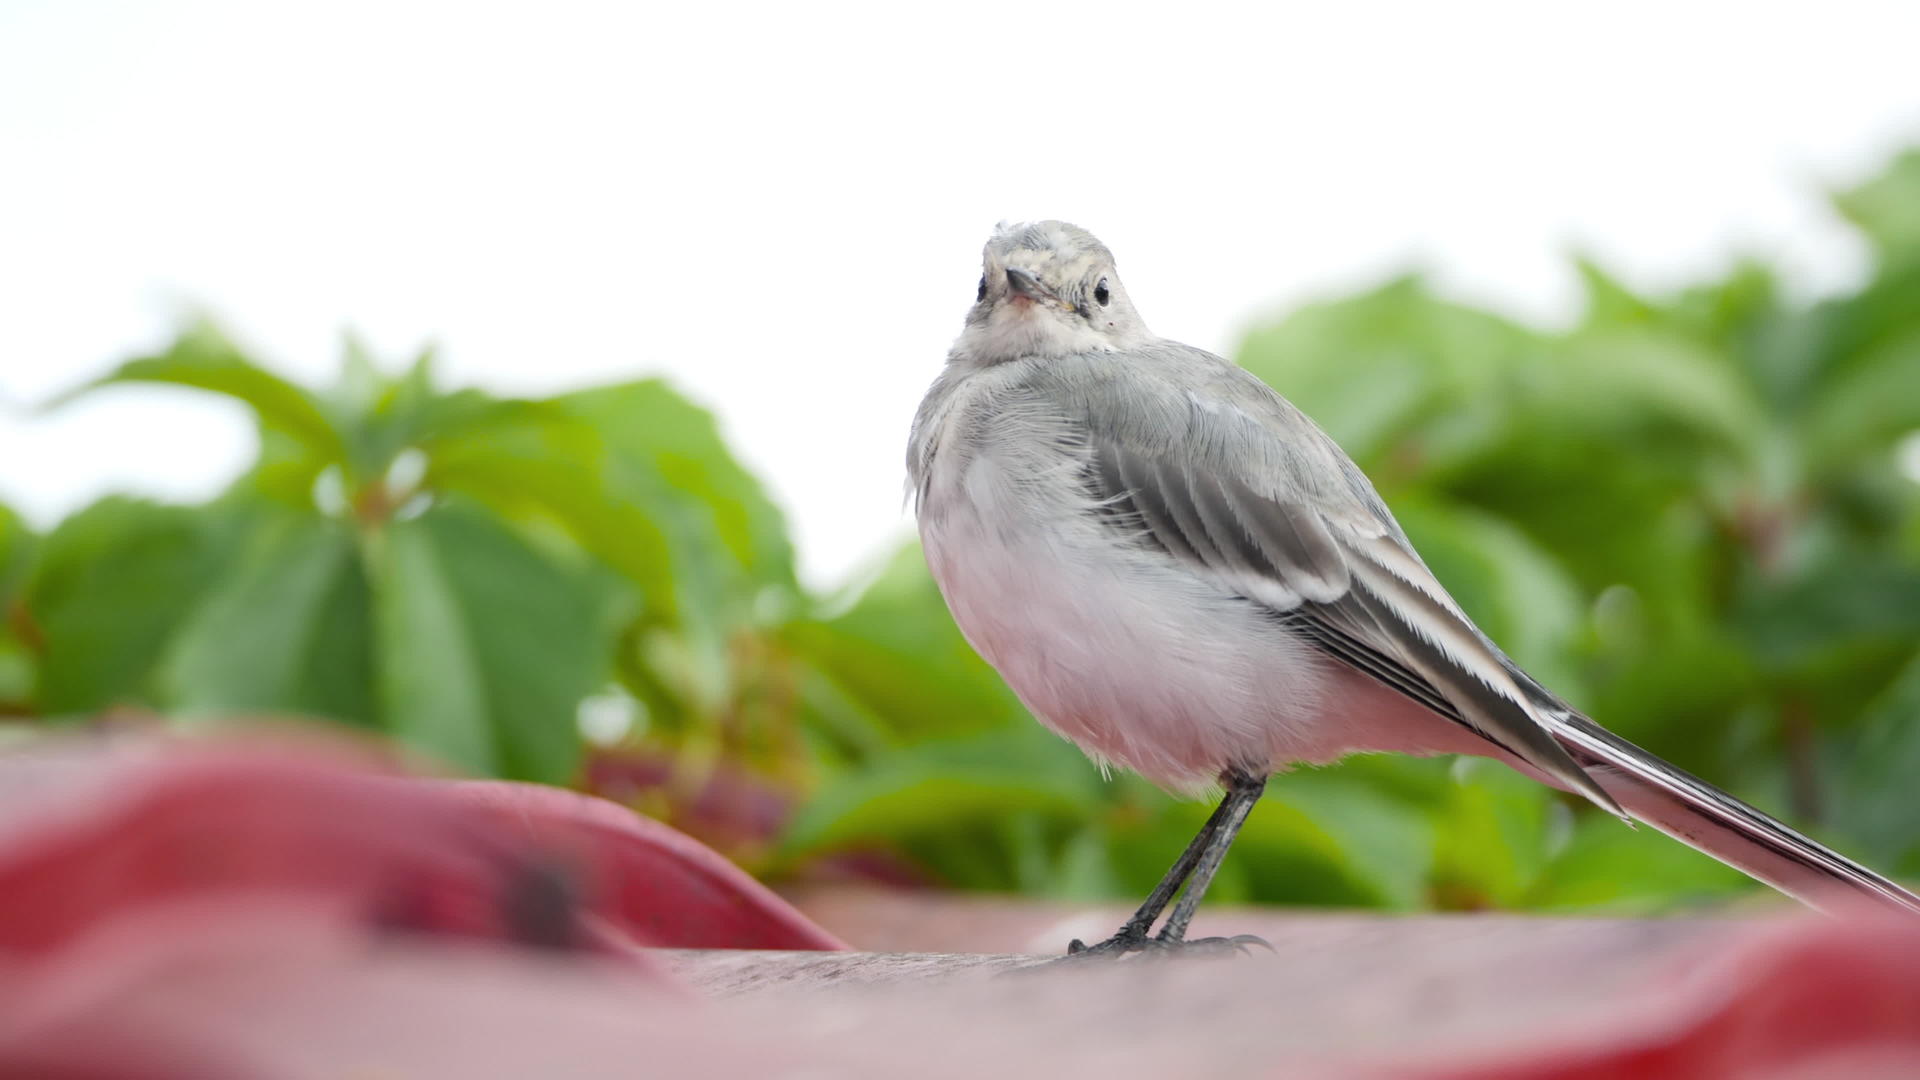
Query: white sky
point(781, 206)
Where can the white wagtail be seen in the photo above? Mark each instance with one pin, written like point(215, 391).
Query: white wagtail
point(1177, 570)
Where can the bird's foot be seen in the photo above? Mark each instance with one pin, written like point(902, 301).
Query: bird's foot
point(1120, 944)
point(1124, 943)
point(1237, 945)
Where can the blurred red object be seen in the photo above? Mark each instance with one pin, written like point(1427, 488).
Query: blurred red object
point(87, 837)
point(1806, 998)
point(210, 912)
point(659, 885)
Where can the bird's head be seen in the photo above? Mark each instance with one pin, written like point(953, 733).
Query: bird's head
point(1047, 288)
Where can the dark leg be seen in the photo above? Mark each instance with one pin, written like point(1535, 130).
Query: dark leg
point(1195, 867)
point(1134, 931)
point(1242, 792)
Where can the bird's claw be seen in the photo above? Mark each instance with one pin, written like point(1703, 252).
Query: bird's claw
point(1123, 943)
point(1118, 945)
point(1240, 944)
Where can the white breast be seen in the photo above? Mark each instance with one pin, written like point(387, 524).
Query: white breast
point(1138, 661)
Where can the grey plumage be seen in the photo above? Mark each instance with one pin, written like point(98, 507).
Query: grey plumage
point(1095, 499)
point(1241, 487)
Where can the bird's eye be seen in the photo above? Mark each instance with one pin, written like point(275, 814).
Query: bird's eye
point(1101, 294)
point(982, 294)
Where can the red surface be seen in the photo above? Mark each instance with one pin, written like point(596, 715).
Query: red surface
point(98, 839)
point(212, 912)
point(661, 885)
point(1812, 997)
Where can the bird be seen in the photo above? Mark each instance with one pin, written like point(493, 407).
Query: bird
point(1176, 569)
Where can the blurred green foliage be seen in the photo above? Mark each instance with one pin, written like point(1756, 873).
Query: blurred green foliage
point(1686, 513)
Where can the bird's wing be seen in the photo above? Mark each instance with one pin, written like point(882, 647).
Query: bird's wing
point(1210, 468)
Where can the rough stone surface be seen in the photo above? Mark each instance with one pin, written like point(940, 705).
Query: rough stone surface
point(1334, 984)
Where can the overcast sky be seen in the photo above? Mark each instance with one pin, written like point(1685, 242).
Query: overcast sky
point(781, 207)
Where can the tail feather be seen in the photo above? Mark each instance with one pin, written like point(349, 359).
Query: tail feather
point(1702, 816)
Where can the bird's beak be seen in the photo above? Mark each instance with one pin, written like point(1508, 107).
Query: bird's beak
point(1023, 283)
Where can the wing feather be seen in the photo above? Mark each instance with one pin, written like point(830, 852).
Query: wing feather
point(1359, 594)
point(1208, 466)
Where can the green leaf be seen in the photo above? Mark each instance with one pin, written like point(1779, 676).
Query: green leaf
point(1643, 386)
point(17, 544)
point(382, 418)
point(18, 670)
point(1867, 407)
point(648, 425)
point(1721, 315)
point(1396, 376)
point(1381, 843)
point(1831, 605)
point(536, 462)
point(640, 477)
point(944, 787)
point(113, 583)
point(285, 631)
point(1856, 329)
point(1741, 313)
point(204, 359)
point(1887, 207)
point(1494, 836)
point(486, 646)
point(1610, 302)
point(844, 722)
point(1608, 866)
point(1873, 798)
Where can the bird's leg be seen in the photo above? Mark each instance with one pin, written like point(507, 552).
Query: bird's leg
point(1198, 862)
point(1134, 930)
point(1243, 790)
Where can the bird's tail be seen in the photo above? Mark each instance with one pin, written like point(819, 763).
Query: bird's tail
point(1698, 814)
